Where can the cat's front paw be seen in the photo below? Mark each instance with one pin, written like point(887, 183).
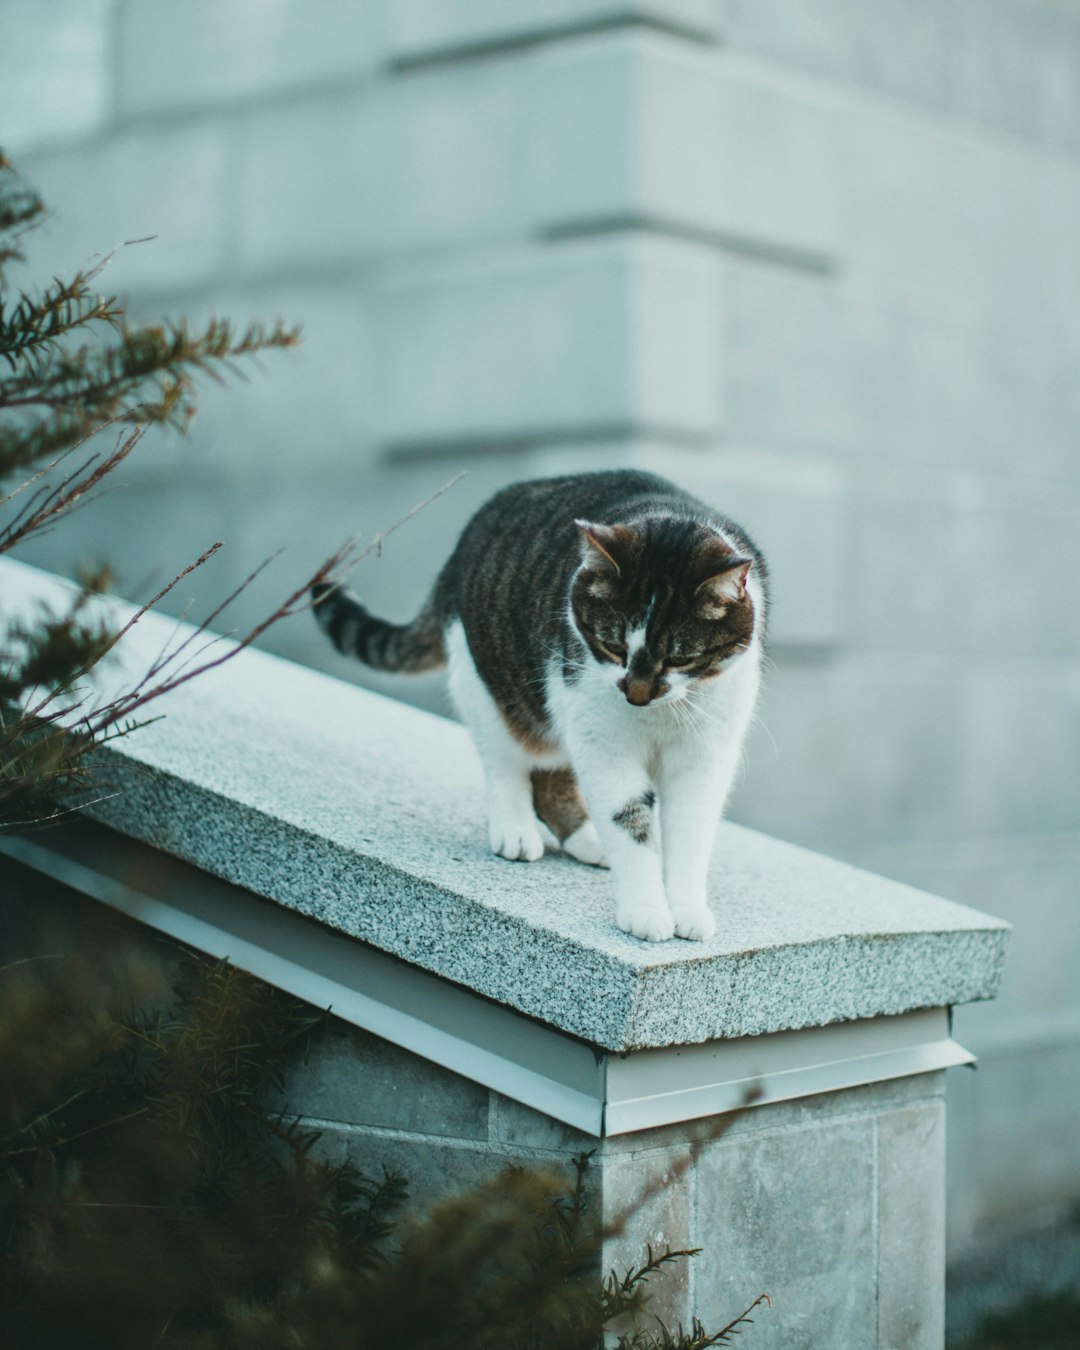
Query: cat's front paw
point(584, 845)
point(693, 922)
point(649, 922)
point(516, 839)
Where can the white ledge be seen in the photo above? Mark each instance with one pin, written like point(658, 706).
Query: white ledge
point(367, 815)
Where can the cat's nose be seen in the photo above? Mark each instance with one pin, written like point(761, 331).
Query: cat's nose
point(638, 692)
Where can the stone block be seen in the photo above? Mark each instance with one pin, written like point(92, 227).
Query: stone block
point(968, 229)
point(898, 739)
point(647, 1204)
point(225, 51)
point(520, 1127)
point(461, 151)
point(899, 47)
point(419, 29)
point(312, 182)
point(667, 134)
point(814, 366)
point(55, 71)
point(915, 381)
point(962, 1196)
point(302, 413)
point(444, 157)
point(911, 1228)
point(1018, 389)
point(1017, 68)
point(652, 1195)
point(1012, 1141)
point(1032, 881)
point(432, 1170)
point(905, 592)
point(1047, 520)
point(1027, 724)
point(583, 337)
point(353, 1077)
point(924, 576)
point(790, 379)
point(601, 133)
point(169, 184)
point(792, 1214)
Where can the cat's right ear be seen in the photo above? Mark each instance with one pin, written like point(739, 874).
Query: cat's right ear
point(609, 544)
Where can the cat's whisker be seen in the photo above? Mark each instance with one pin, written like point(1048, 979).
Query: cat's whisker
point(757, 720)
point(767, 663)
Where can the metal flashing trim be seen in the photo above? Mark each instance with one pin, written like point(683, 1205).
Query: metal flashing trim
point(409, 1007)
point(656, 1087)
point(597, 1091)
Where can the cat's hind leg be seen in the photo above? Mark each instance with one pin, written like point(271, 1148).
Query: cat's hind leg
point(513, 829)
point(558, 802)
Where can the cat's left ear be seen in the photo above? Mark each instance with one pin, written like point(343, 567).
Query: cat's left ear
point(725, 586)
point(608, 544)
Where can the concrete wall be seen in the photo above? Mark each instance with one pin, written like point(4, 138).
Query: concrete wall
point(814, 258)
point(833, 1205)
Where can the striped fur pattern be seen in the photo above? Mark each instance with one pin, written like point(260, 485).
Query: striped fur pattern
point(406, 647)
point(604, 636)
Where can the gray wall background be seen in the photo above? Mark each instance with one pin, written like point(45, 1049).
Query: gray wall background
point(816, 259)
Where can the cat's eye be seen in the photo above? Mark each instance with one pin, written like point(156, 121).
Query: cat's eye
point(615, 650)
point(680, 662)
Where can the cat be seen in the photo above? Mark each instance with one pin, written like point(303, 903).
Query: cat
point(604, 634)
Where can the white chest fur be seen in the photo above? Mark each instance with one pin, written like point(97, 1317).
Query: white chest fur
point(655, 778)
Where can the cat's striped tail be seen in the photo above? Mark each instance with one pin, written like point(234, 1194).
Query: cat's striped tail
point(406, 647)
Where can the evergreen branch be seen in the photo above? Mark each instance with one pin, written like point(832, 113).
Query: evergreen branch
point(744, 1319)
point(78, 392)
point(39, 820)
point(143, 693)
point(44, 1116)
point(48, 504)
point(634, 1276)
point(39, 321)
point(32, 960)
point(21, 210)
point(99, 379)
point(62, 1141)
point(41, 712)
point(46, 469)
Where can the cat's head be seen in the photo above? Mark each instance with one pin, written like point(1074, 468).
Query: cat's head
point(662, 604)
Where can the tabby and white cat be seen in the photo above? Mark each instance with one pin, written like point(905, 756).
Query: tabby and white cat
point(602, 630)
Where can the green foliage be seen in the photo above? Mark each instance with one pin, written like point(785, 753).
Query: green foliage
point(154, 1193)
point(79, 387)
point(144, 1168)
point(1044, 1322)
point(74, 362)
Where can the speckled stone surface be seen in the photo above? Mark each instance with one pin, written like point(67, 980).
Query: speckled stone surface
point(368, 815)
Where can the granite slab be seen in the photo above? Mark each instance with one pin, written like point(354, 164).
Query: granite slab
point(367, 815)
